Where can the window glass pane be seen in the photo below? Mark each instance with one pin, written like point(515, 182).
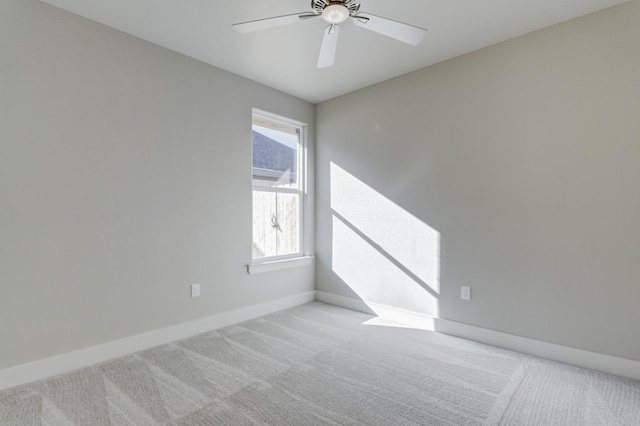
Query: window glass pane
point(264, 234)
point(276, 221)
point(275, 154)
point(287, 235)
point(278, 182)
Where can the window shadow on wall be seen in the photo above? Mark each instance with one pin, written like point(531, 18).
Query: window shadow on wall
point(383, 253)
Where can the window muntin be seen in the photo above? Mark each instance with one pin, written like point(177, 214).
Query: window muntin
point(278, 183)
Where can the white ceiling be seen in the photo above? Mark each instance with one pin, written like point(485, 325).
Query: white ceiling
point(285, 57)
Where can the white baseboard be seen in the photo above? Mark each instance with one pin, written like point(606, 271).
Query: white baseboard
point(566, 354)
point(579, 357)
point(413, 319)
point(49, 367)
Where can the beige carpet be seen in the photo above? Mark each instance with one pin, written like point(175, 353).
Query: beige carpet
point(320, 365)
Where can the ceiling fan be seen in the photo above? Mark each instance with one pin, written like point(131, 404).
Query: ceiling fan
point(336, 12)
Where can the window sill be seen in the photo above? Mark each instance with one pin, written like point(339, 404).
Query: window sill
point(275, 265)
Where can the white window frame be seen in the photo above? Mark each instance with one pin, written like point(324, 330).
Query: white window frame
point(300, 258)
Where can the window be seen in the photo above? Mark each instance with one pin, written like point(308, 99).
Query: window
point(278, 172)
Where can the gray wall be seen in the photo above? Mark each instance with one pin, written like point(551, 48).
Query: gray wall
point(124, 177)
point(520, 162)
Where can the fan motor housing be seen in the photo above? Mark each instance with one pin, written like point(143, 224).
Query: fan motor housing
point(319, 6)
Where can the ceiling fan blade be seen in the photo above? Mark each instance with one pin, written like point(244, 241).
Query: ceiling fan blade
point(263, 24)
point(390, 28)
point(328, 47)
point(308, 16)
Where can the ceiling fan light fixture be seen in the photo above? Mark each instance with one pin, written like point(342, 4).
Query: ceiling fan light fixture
point(335, 13)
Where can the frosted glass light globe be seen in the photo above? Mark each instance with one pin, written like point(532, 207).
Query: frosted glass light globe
point(335, 13)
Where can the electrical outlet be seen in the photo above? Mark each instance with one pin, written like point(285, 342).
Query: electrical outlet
point(465, 293)
point(195, 290)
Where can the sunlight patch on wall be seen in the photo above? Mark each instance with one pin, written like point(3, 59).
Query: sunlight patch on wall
point(374, 277)
point(402, 236)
